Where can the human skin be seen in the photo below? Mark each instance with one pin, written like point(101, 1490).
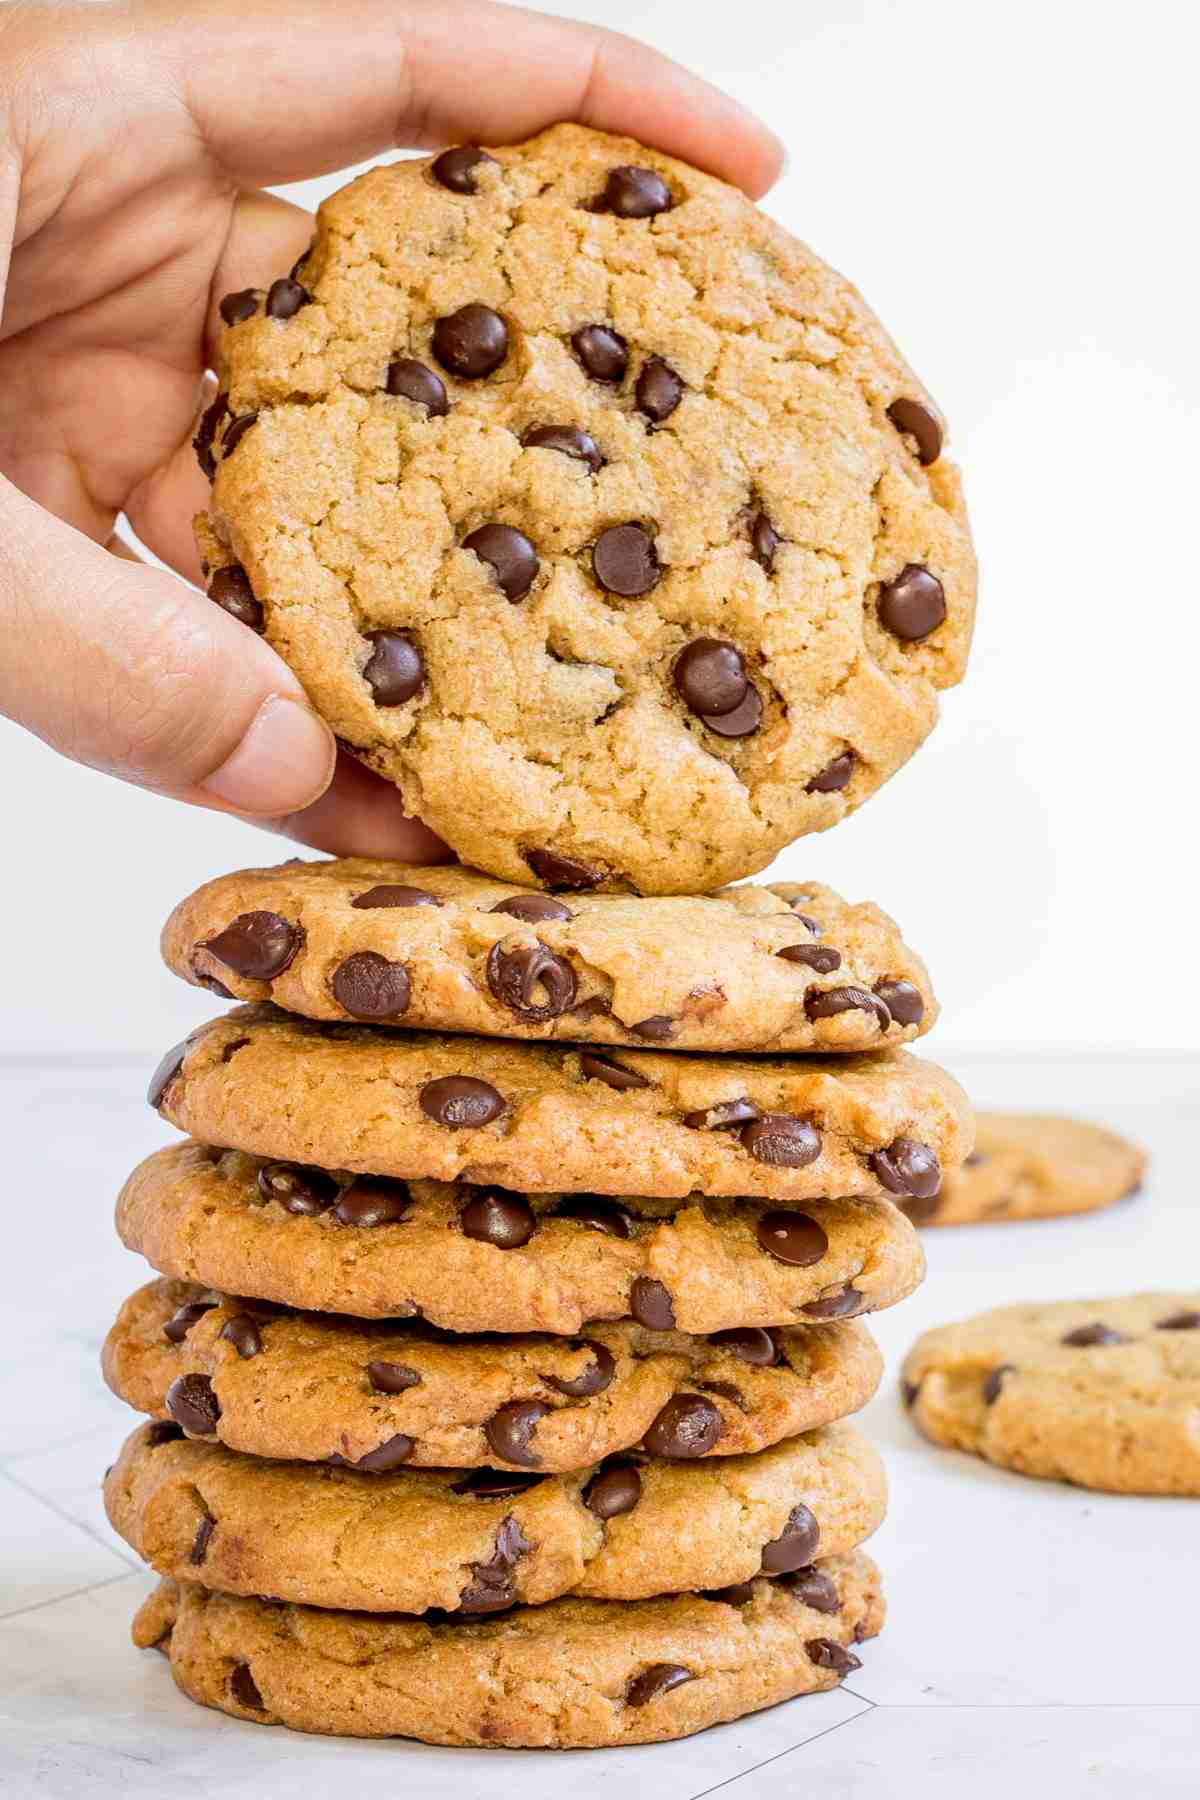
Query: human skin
point(136, 138)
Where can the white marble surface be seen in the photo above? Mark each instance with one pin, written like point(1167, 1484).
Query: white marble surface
point(1039, 1634)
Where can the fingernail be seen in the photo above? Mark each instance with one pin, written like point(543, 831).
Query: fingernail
point(284, 762)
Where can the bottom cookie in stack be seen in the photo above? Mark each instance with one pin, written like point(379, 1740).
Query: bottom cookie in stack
point(571, 1674)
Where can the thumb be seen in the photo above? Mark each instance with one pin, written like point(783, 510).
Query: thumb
point(128, 670)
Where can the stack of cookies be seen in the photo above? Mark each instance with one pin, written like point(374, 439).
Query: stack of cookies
point(512, 1271)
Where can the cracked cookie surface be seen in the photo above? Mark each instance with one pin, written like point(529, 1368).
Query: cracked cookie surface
point(1103, 1393)
point(408, 1540)
point(571, 1674)
point(307, 1386)
point(1034, 1166)
point(473, 1259)
point(554, 1117)
point(621, 541)
point(787, 967)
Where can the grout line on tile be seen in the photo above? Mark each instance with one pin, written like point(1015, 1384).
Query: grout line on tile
point(19, 1612)
point(868, 1706)
point(68, 1519)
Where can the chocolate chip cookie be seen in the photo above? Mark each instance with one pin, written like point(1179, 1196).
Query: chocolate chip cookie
point(1104, 1393)
point(393, 1539)
point(480, 1258)
point(613, 529)
point(1033, 1166)
point(553, 1117)
point(788, 967)
point(572, 1674)
point(310, 1386)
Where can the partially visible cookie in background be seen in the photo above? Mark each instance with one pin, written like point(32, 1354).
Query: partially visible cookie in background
point(1103, 1393)
point(1033, 1166)
point(592, 509)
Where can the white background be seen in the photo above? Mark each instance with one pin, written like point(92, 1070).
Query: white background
point(1013, 187)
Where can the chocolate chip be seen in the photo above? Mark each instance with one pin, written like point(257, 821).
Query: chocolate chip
point(184, 1317)
point(493, 1587)
point(509, 554)
point(455, 169)
point(388, 1455)
point(570, 440)
point(830, 1655)
point(596, 1213)
point(1180, 1321)
point(206, 431)
point(688, 1426)
point(257, 946)
point(819, 957)
point(390, 894)
point(230, 589)
point(613, 1074)
point(659, 1678)
point(392, 1378)
point(510, 1428)
point(743, 721)
point(200, 1542)
point(812, 1587)
point(495, 1484)
point(913, 604)
point(995, 1381)
point(826, 1003)
point(241, 1331)
point(395, 669)
point(460, 1102)
point(285, 297)
point(782, 1141)
point(841, 1305)
point(373, 1200)
point(235, 308)
point(562, 871)
point(535, 909)
point(235, 432)
point(796, 1544)
point(710, 676)
point(650, 1304)
point(907, 1167)
point(1088, 1337)
point(902, 1000)
point(764, 541)
point(603, 352)
point(624, 561)
point(409, 379)
point(162, 1431)
point(471, 342)
point(792, 1238)
point(658, 1029)
point(915, 418)
point(750, 1343)
point(516, 977)
point(634, 193)
point(595, 1378)
point(244, 1689)
point(192, 1402)
point(724, 1114)
point(298, 1187)
point(659, 389)
point(909, 1391)
point(920, 1212)
point(495, 1217)
point(735, 1595)
point(368, 986)
point(613, 1491)
point(834, 776)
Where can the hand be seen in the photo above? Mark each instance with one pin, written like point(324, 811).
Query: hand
point(135, 139)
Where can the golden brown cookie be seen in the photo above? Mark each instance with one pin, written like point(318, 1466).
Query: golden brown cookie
point(789, 967)
point(1033, 1166)
point(543, 1117)
point(614, 531)
point(471, 1258)
point(309, 1385)
point(1104, 1393)
point(406, 1540)
point(572, 1674)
